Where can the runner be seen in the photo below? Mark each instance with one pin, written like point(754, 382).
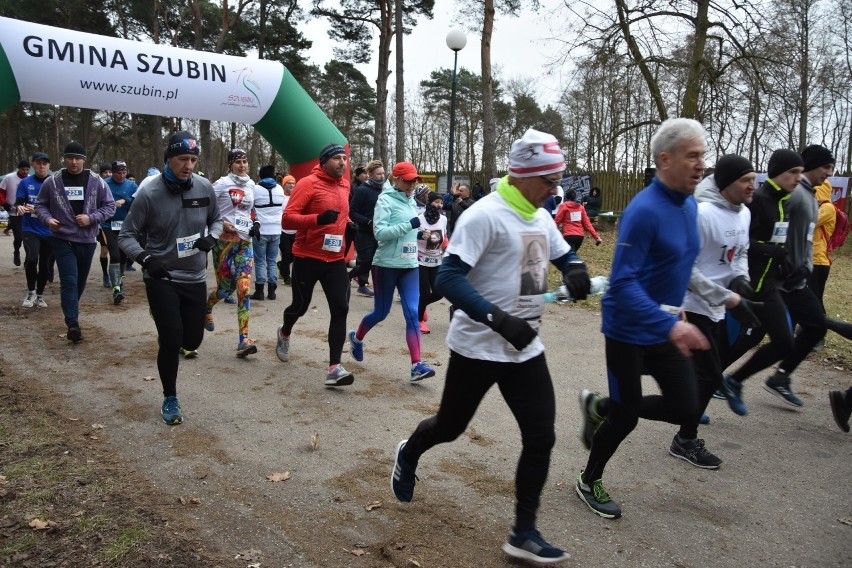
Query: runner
point(318, 210)
point(268, 206)
point(492, 337)
point(174, 211)
point(431, 244)
point(122, 192)
point(395, 266)
point(37, 239)
point(233, 255)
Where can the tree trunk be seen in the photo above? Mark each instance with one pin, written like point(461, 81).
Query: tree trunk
point(636, 54)
point(380, 137)
point(489, 129)
point(696, 65)
point(804, 72)
point(400, 85)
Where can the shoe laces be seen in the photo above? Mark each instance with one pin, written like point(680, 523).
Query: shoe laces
point(172, 406)
point(601, 496)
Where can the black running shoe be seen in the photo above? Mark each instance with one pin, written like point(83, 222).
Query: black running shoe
point(841, 408)
point(590, 420)
point(530, 545)
point(402, 477)
point(781, 389)
point(694, 452)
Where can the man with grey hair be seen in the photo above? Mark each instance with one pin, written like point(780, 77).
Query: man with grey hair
point(644, 331)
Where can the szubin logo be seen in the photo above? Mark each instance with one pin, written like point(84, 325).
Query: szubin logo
point(247, 89)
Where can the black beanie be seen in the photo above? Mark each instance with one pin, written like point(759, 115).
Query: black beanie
point(816, 156)
point(74, 149)
point(105, 167)
point(329, 151)
point(267, 172)
point(783, 160)
point(235, 155)
point(182, 143)
point(24, 164)
point(729, 169)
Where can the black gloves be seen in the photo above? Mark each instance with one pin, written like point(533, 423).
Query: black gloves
point(777, 253)
point(513, 329)
point(744, 312)
point(327, 217)
point(415, 222)
point(598, 242)
point(255, 230)
point(154, 267)
point(205, 244)
point(741, 286)
point(576, 279)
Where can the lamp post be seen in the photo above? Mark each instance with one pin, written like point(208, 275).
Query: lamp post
point(456, 40)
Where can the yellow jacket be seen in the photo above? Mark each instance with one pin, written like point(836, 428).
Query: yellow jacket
point(826, 220)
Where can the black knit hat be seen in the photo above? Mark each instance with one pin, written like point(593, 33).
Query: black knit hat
point(729, 169)
point(267, 172)
point(816, 156)
point(783, 160)
point(329, 151)
point(24, 164)
point(74, 149)
point(235, 155)
point(181, 143)
point(105, 167)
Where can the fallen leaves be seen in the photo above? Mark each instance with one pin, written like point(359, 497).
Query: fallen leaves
point(315, 441)
point(846, 521)
point(98, 426)
point(278, 476)
point(357, 552)
point(40, 525)
point(148, 378)
point(373, 505)
point(191, 500)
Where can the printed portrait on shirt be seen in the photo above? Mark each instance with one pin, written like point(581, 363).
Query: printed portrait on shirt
point(534, 265)
point(436, 237)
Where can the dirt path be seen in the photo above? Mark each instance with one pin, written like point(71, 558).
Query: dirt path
point(780, 499)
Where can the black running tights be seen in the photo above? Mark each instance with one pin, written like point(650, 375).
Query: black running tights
point(528, 391)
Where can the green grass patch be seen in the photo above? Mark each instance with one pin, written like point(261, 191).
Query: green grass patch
point(18, 545)
point(124, 542)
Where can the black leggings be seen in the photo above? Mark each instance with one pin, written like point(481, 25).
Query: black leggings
point(38, 260)
point(116, 255)
point(17, 232)
point(427, 289)
point(708, 367)
point(335, 284)
point(178, 310)
point(574, 241)
point(625, 364)
point(528, 391)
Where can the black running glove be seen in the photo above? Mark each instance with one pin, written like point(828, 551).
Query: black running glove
point(513, 329)
point(744, 312)
point(327, 217)
point(741, 286)
point(576, 279)
point(255, 230)
point(205, 244)
point(415, 222)
point(154, 267)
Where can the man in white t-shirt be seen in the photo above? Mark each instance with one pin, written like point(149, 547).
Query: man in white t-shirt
point(8, 190)
point(493, 336)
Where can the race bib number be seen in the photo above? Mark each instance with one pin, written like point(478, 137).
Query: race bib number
point(430, 260)
point(242, 223)
point(576, 216)
point(811, 227)
point(332, 243)
point(779, 232)
point(185, 244)
point(116, 225)
point(409, 250)
point(74, 193)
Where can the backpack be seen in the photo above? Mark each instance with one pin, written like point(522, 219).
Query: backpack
point(841, 229)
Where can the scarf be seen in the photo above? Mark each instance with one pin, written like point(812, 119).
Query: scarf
point(173, 179)
point(431, 214)
point(239, 180)
point(513, 197)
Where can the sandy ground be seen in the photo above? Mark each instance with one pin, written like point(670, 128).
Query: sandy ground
point(781, 497)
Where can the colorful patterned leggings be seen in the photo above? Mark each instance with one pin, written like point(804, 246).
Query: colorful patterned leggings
point(234, 263)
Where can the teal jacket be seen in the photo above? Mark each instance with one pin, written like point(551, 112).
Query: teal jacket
point(392, 229)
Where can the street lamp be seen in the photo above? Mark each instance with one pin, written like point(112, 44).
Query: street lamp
point(456, 40)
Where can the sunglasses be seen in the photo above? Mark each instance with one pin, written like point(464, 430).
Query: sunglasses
point(551, 182)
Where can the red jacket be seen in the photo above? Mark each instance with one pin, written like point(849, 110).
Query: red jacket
point(312, 195)
point(572, 216)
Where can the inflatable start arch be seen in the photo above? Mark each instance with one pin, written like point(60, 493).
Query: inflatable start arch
point(44, 64)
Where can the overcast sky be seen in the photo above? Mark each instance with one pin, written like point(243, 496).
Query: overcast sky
point(519, 48)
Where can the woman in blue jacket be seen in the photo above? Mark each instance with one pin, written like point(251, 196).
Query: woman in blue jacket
point(395, 266)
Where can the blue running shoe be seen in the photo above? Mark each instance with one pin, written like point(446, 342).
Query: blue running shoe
point(230, 300)
point(356, 348)
point(733, 392)
point(530, 545)
point(403, 477)
point(719, 394)
point(171, 411)
point(107, 282)
point(420, 371)
point(704, 419)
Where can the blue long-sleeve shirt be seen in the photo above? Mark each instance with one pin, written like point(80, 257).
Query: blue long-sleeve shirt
point(657, 246)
